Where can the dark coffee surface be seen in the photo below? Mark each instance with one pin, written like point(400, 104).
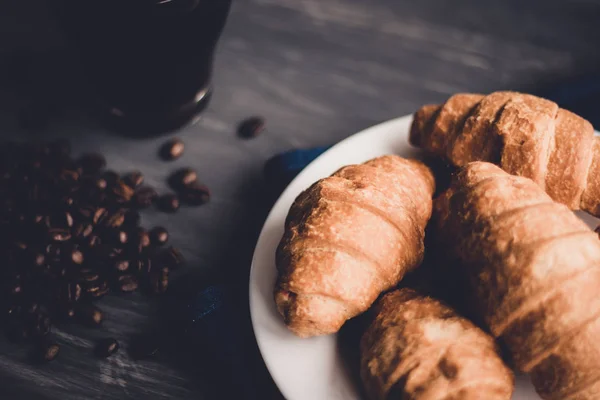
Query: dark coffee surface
point(317, 71)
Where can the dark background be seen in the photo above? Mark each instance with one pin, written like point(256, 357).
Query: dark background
point(318, 71)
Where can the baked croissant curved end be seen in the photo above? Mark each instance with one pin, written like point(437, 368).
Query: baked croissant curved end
point(348, 238)
point(535, 269)
point(524, 134)
point(418, 348)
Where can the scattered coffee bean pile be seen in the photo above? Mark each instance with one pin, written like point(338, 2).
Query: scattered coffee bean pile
point(70, 234)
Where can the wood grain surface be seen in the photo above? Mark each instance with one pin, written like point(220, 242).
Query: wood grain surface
point(318, 71)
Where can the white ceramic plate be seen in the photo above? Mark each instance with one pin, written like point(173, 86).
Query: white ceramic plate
point(313, 369)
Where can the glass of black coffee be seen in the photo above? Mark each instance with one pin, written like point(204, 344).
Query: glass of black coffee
point(149, 61)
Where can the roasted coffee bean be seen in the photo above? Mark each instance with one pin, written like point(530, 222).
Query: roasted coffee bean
point(59, 235)
point(100, 183)
point(144, 197)
point(144, 265)
point(122, 266)
point(251, 127)
point(127, 283)
point(195, 194)
point(89, 315)
point(92, 241)
point(121, 193)
point(171, 257)
point(85, 213)
point(159, 236)
point(53, 251)
point(100, 214)
point(134, 179)
point(168, 203)
point(92, 163)
point(88, 276)
point(47, 351)
point(116, 219)
point(83, 230)
point(70, 292)
point(111, 177)
point(143, 237)
point(72, 255)
point(116, 237)
point(106, 347)
point(97, 290)
point(182, 178)
point(171, 149)
point(159, 280)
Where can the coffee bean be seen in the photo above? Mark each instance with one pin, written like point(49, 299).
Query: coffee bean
point(59, 234)
point(159, 236)
point(76, 256)
point(143, 238)
point(134, 179)
point(159, 280)
point(144, 265)
point(97, 291)
point(92, 163)
point(168, 203)
point(122, 266)
point(92, 241)
point(116, 237)
point(127, 283)
point(195, 194)
point(106, 347)
point(116, 219)
point(100, 214)
point(132, 219)
point(144, 197)
point(251, 127)
point(83, 230)
point(89, 315)
point(182, 178)
point(171, 149)
point(122, 193)
point(85, 213)
point(100, 183)
point(171, 257)
point(88, 276)
point(47, 351)
point(70, 292)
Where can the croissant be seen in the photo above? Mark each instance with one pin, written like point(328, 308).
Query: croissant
point(418, 348)
point(535, 270)
point(348, 238)
point(524, 134)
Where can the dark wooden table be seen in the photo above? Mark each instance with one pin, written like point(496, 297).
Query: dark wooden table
point(318, 70)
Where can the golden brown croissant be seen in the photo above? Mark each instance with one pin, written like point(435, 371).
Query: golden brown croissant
point(348, 238)
point(524, 134)
point(535, 269)
point(417, 348)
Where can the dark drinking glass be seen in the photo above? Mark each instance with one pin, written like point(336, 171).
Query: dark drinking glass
point(149, 61)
